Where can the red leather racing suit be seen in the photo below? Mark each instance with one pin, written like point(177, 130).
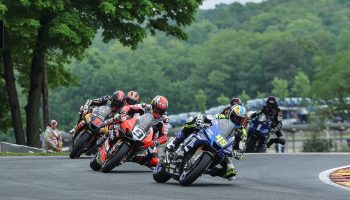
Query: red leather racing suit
point(160, 126)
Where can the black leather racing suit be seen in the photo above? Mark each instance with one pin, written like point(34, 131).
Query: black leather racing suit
point(276, 116)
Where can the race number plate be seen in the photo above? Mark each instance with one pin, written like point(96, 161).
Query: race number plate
point(138, 133)
point(97, 122)
point(221, 140)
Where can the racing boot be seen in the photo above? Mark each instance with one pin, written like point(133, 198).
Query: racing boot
point(173, 144)
point(230, 173)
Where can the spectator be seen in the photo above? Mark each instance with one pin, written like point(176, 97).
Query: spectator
point(52, 138)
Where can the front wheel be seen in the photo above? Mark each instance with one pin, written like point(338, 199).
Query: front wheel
point(79, 145)
point(251, 144)
point(159, 173)
point(94, 165)
point(188, 176)
point(115, 158)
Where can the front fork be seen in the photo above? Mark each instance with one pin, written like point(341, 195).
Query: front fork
point(173, 162)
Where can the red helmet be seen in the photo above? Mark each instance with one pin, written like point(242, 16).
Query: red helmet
point(118, 99)
point(132, 98)
point(235, 101)
point(159, 104)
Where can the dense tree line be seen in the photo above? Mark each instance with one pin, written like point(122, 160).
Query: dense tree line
point(282, 47)
point(44, 35)
point(285, 48)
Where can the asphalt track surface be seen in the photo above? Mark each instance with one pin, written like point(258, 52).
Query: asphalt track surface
point(261, 176)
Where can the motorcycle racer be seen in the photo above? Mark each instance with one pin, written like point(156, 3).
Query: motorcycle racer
point(115, 102)
point(131, 99)
point(238, 116)
point(272, 110)
point(233, 101)
point(157, 108)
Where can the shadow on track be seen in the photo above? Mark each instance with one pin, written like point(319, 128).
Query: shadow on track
point(129, 171)
point(199, 184)
point(80, 158)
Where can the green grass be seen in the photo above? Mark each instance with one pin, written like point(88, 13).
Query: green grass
point(32, 154)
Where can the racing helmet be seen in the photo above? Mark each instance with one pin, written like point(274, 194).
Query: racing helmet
point(235, 101)
point(159, 105)
point(118, 99)
point(132, 98)
point(238, 116)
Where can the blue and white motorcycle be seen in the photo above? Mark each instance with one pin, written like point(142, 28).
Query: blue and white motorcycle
point(259, 130)
point(197, 155)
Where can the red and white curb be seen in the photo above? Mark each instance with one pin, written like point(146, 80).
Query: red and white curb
point(328, 177)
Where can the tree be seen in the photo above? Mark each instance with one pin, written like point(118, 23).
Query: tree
point(244, 96)
point(261, 95)
point(13, 96)
point(332, 84)
point(64, 29)
point(301, 87)
point(223, 100)
point(15, 41)
point(280, 88)
point(201, 99)
point(222, 55)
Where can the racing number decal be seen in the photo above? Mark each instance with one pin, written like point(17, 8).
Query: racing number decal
point(258, 128)
point(97, 122)
point(221, 140)
point(138, 133)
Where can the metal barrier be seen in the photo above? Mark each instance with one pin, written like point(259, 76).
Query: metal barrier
point(9, 147)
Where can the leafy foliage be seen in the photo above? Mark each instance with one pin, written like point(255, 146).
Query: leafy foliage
point(201, 99)
point(244, 96)
point(230, 49)
point(280, 88)
point(301, 85)
point(223, 100)
point(62, 30)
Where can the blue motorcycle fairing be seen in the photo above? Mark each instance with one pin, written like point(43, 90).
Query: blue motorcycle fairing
point(210, 136)
point(261, 128)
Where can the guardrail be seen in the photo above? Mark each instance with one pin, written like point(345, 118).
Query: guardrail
point(296, 145)
point(9, 147)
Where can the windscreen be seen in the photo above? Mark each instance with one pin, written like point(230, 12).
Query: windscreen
point(146, 120)
point(226, 127)
point(102, 111)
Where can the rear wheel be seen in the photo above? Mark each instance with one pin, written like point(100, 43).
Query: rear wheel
point(188, 176)
point(79, 145)
point(116, 157)
point(159, 173)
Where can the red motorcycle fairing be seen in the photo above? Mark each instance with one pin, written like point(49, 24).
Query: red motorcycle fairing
point(148, 140)
point(104, 149)
point(127, 127)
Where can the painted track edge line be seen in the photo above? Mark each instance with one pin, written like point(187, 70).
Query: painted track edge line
point(324, 177)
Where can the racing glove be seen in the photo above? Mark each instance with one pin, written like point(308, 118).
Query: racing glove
point(200, 121)
point(84, 109)
point(238, 154)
